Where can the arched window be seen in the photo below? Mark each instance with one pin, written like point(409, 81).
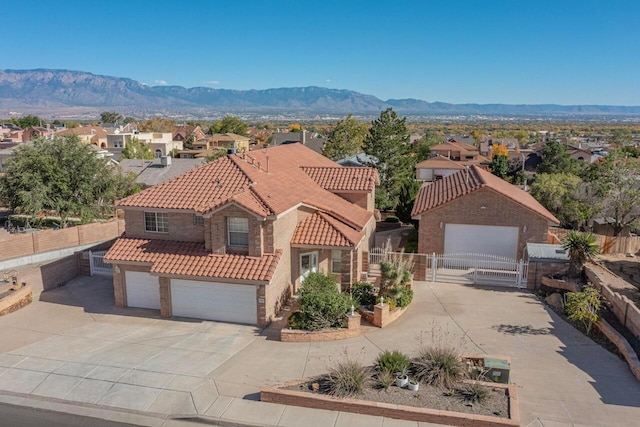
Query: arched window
point(158, 154)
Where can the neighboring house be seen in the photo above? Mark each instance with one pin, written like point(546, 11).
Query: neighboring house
point(117, 141)
point(95, 135)
point(604, 226)
point(487, 142)
point(160, 143)
point(460, 139)
point(313, 141)
point(473, 211)
point(448, 158)
point(232, 141)
point(583, 155)
point(231, 240)
point(32, 133)
point(157, 171)
point(182, 133)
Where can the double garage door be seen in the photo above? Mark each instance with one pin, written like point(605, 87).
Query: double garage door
point(200, 300)
point(481, 239)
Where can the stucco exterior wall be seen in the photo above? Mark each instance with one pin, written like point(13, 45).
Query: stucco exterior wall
point(499, 211)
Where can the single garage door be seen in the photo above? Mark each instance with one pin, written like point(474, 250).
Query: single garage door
point(143, 290)
point(481, 239)
point(214, 301)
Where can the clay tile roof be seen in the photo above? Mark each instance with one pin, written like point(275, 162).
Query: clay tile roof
point(320, 229)
point(343, 178)
point(191, 259)
point(440, 162)
point(433, 195)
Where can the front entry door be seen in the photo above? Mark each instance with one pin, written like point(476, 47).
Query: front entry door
point(308, 264)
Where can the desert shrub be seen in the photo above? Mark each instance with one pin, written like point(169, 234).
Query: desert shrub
point(438, 365)
point(363, 293)
point(392, 361)
point(401, 295)
point(347, 378)
point(321, 304)
point(386, 379)
point(396, 271)
point(474, 392)
point(392, 219)
point(297, 320)
point(315, 282)
point(583, 306)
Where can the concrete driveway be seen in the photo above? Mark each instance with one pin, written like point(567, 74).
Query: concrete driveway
point(74, 345)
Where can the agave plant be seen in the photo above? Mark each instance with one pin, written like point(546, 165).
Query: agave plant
point(581, 247)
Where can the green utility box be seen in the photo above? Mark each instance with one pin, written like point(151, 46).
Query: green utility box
point(497, 370)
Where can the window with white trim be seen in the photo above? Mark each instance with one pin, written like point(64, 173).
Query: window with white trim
point(336, 261)
point(156, 222)
point(238, 229)
point(198, 220)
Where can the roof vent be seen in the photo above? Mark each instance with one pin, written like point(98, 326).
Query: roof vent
point(165, 161)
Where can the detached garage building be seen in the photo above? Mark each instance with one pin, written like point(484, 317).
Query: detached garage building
point(475, 212)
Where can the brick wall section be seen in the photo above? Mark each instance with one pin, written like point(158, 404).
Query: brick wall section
point(19, 245)
point(165, 297)
point(358, 199)
point(499, 211)
point(219, 231)
point(625, 310)
point(352, 330)
point(181, 227)
point(408, 413)
point(52, 274)
point(539, 269)
point(16, 300)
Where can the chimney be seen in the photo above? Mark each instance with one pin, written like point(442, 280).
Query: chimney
point(303, 138)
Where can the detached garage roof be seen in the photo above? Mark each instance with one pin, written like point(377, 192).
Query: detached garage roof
point(452, 187)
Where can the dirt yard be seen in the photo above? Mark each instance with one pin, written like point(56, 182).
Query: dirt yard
point(625, 267)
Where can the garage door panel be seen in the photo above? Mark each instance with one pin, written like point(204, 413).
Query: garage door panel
point(481, 239)
point(143, 290)
point(214, 301)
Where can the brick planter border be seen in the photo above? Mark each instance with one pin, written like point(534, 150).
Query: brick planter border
point(16, 300)
point(352, 330)
point(401, 412)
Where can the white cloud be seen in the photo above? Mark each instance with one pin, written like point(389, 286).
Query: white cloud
point(161, 82)
point(328, 80)
point(212, 82)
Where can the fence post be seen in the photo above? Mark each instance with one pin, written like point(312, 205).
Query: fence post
point(90, 264)
point(519, 276)
point(434, 267)
point(475, 270)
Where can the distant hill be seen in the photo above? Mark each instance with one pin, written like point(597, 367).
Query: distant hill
point(50, 90)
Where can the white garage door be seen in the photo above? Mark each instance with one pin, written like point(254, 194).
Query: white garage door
point(214, 301)
point(143, 290)
point(481, 239)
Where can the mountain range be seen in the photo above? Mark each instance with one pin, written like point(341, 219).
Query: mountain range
point(54, 90)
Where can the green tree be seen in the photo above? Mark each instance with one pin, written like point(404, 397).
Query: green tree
point(110, 117)
point(136, 150)
point(215, 155)
point(556, 159)
point(157, 124)
point(345, 139)
point(388, 141)
point(621, 137)
point(128, 120)
point(500, 166)
point(581, 247)
point(62, 177)
point(422, 148)
point(408, 193)
point(230, 124)
point(564, 195)
point(616, 185)
point(27, 121)
point(70, 124)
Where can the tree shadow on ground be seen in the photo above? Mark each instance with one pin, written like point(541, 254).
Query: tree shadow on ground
point(520, 330)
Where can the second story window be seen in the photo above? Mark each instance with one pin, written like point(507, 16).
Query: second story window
point(156, 222)
point(238, 232)
point(198, 220)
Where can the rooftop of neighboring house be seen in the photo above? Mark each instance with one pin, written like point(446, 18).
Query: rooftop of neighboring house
point(267, 183)
point(460, 139)
point(359, 159)
point(455, 147)
point(443, 162)
point(461, 183)
point(96, 132)
point(311, 140)
point(153, 172)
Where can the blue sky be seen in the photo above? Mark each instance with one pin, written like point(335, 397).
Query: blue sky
point(491, 51)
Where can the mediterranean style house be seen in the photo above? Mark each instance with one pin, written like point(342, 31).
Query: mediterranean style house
point(232, 239)
point(475, 212)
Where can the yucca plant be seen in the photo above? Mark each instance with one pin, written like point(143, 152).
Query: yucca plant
point(581, 247)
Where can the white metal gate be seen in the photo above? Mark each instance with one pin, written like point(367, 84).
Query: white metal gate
point(97, 264)
point(377, 255)
point(478, 269)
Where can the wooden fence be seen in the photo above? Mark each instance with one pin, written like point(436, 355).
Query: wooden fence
point(607, 244)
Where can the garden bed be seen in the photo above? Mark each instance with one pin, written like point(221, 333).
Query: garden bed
point(428, 404)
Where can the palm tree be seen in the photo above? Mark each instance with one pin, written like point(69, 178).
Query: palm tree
point(581, 247)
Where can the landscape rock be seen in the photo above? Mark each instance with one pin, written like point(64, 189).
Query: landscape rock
point(554, 300)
